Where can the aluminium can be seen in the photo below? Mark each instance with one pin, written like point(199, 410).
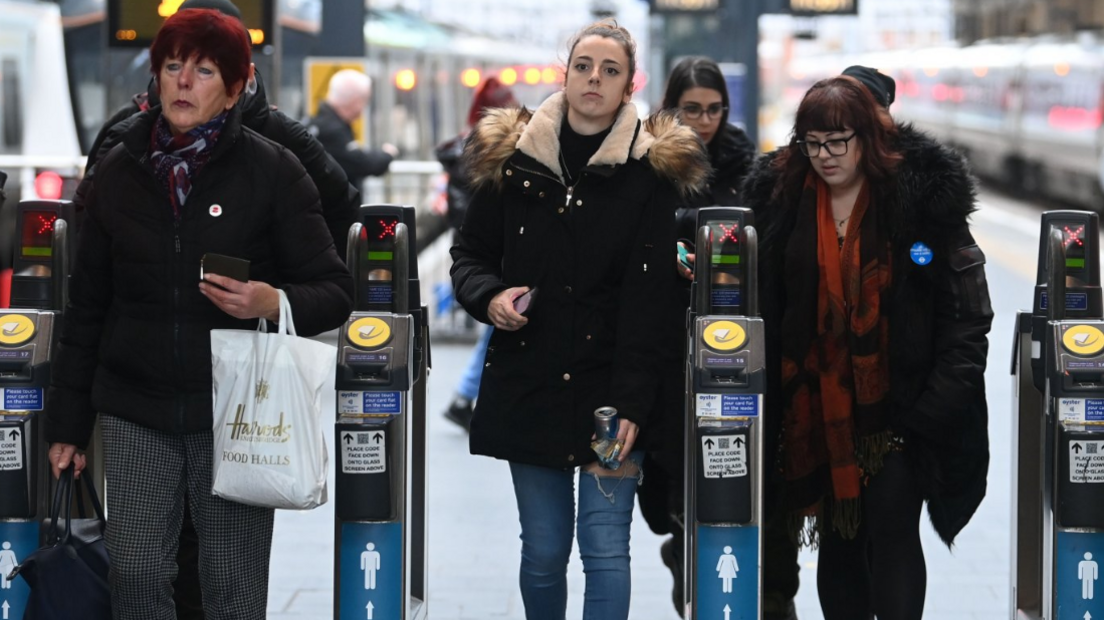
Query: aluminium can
point(605, 423)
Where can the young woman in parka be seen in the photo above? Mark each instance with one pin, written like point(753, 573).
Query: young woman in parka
point(576, 201)
point(877, 310)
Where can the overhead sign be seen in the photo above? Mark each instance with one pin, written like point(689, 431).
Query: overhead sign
point(684, 6)
point(134, 23)
point(824, 7)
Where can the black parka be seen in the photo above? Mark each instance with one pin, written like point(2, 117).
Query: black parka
point(939, 318)
point(337, 137)
point(136, 342)
point(601, 259)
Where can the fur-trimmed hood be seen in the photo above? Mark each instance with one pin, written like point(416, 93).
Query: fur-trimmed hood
point(673, 150)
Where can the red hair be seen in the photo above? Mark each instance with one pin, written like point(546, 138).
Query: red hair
point(205, 34)
point(491, 94)
point(831, 105)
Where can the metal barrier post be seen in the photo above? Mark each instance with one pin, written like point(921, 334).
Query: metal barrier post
point(28, 335)
point(726, 380)
point(1058, 476)
point(380, 531)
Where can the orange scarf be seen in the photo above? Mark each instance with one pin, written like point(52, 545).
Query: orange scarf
point(835, 432)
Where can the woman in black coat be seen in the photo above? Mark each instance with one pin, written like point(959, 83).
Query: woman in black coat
point(573, 200)
point(877, 310)
point(185, 180)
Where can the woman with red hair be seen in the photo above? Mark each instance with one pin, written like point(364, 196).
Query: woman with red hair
point(877, 310)
point(186, 179)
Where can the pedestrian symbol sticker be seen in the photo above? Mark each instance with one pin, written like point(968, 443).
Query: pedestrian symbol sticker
point(8, 562)
point(727, 569)
point(11, 449)
point(363, 452)
point(1087, 572)
point(724, 456)
point(1086, 461)
point(370, 562)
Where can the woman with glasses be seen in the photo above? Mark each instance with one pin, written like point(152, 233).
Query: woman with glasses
point(697, 94)
point(877, 309)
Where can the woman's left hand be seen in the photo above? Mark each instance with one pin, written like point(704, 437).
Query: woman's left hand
point(626, 432)
point(242, 300)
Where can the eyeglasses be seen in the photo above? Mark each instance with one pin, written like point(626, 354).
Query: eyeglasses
point(694, 111)
point(837, 147)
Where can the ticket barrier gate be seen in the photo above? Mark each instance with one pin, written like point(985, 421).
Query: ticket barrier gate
point(726, 380)
point(28, 335)
point(380, 566)
point(1058, 460)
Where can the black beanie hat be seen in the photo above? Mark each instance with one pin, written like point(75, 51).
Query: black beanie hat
point(222, 6)
point(880, 85)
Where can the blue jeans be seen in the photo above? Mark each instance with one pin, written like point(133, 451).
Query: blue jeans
point(546, 507)
point(473, 373)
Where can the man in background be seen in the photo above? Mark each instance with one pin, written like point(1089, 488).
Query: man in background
point(346, 98)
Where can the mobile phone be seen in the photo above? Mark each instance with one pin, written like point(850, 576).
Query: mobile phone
point(220, 264)
point(685, 247)
point(524, 302)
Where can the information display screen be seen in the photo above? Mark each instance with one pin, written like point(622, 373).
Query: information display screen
point(726, 243)
point(1073, 237)
point(37, 236)
point(134, 23)
point(381, 237)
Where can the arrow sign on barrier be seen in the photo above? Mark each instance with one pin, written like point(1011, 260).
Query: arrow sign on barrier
point(6, 607)
point(369, 607)
point(727, 612)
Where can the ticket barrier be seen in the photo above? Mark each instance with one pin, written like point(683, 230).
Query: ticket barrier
point(726, 380)
point(1058, 459)
point(380, 566)
point(28, 335)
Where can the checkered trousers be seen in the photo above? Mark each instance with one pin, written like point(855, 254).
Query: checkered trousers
point(149, 473)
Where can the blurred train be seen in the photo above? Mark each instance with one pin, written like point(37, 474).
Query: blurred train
point(1026, 112)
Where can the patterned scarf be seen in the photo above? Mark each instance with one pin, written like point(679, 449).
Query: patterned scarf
point(835, 366)
point(177, 159)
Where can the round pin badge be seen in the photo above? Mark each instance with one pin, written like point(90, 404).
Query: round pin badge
point(724, 336)
point(920, 253)
point(215, 210)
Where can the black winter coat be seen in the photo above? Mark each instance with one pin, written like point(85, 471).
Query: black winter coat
point(939, 318)
point(601, 259)
point(337, 137)
point(731, 155)
point(136, 343)
point(340, 200)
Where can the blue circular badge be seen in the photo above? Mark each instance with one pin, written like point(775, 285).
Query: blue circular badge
point(920, 253)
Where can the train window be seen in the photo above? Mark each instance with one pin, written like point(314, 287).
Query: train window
point(11, 122)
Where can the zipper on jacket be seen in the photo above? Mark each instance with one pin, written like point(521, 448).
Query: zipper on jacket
point(177, 353)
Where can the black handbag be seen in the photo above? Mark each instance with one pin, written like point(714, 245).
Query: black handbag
point(68, 577)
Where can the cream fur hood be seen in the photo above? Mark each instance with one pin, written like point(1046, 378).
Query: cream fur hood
point(673, 150)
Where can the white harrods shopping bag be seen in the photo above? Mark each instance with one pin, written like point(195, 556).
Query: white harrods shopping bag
point(269, 449)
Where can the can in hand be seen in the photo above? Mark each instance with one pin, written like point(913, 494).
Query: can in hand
point(605, 423)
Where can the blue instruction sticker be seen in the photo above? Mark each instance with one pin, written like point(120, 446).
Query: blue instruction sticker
point(728, 405)
point(22, 399)
point(379, 294)
point(382, 402)
point(1074, 301)
point(1094, 410)
point(920, 253)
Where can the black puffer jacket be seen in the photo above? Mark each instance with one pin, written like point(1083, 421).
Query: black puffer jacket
point(136, 338)
point(601, 259)
point(939, 318)
point(337, 138)
point(340, 200)
point(731, 154)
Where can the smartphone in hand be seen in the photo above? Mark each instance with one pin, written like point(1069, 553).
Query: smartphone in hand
point(220, 264)
point(524, 303)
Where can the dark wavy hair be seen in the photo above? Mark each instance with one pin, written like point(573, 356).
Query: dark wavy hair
point(695, 72)
point(207, 35)
point(831, 105)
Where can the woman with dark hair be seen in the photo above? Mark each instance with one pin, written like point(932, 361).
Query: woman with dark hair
point(186, 179)
point(877, 309)
point(573, 200)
